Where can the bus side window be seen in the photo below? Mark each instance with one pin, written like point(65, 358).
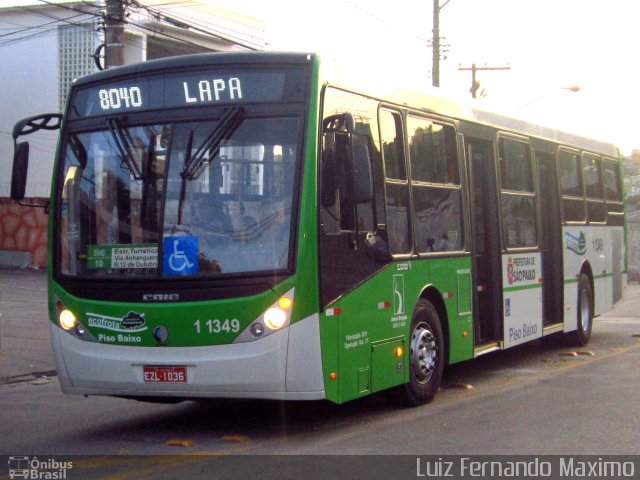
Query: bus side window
point(396, 183)
point(336, 195)
point(592, 175)
point(346, 184)
point(517, 194)
point(435, 185)
point(570, 171)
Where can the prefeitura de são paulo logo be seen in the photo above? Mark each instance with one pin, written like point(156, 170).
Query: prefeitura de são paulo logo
point(38, 468)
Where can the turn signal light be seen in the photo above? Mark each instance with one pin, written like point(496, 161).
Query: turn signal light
point(285, 302)
point(275, 318)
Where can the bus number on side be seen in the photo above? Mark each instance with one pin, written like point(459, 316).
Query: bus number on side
point(598, 245)
point(218, 326)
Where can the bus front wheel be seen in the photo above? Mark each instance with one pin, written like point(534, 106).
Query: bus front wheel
point(426, 354)
point(585, 312)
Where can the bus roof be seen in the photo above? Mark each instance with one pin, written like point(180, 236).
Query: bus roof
point(433, 101)
point(198, 60)
point(428, 101)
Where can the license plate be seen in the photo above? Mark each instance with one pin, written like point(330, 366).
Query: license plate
point(175, 374)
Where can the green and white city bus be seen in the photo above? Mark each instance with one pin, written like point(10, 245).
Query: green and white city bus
point(235, 225)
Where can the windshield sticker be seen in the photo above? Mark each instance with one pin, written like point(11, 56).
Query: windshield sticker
point(122, 256)
point(180, 255)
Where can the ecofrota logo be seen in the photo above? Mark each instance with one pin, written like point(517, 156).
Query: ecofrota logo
point(133, 320)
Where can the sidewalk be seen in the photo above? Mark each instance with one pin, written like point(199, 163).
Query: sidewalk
point(25, 345)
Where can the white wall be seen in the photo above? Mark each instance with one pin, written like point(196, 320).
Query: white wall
point(29, 76)
point(28, 86)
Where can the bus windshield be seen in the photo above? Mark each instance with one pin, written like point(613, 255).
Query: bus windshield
point(195, 198)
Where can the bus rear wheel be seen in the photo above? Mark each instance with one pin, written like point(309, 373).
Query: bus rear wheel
point(426, 354)
point(585, 312)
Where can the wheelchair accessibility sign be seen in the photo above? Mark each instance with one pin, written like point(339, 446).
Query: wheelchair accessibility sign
point(180, 255)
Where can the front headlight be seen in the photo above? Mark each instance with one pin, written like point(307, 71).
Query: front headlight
point(69, 322)
point(276, 317)
point(67, 319)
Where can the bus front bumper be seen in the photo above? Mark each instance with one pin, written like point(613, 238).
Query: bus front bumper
point(285, 365)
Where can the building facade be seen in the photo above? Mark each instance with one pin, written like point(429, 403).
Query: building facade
point(45, 46)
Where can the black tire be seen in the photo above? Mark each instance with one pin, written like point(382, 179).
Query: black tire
point(426, 355)
point(585, 313)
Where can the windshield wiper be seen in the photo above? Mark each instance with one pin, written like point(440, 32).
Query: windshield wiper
point(123, 143)
point(193, 163)
point(78, 150)
point(230, 121)
point(183, 183)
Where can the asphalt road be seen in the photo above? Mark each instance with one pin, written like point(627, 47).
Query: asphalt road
point(531, 400)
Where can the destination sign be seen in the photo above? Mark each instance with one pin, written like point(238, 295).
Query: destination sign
point(188, 89)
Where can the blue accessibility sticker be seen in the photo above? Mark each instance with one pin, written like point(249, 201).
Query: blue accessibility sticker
point(180, 255)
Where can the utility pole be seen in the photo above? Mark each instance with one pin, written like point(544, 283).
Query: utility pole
point(114, 34)
point(475, 85)
point(435, 70)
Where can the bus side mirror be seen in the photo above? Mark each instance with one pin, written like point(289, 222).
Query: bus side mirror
point(362, 183)
point(26, 126)
point(19, 172)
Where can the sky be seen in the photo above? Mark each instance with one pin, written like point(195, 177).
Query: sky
point(549, 45)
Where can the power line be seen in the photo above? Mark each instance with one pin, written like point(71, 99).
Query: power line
point(187, 23)
point(38, 11)
point(46, 31)
point(475, 84)
point(37, 144)
point(46, 28)
point(67, 7)
point(180, 21)
point(53, 22)
point(13, 41)
point(165, 34)
point(385, 22)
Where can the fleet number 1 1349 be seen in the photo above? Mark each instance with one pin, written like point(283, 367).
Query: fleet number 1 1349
point(218, 326)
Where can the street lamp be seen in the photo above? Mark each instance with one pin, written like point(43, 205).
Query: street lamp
point(571, 88)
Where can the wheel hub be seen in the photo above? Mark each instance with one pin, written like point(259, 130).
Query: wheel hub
point(424, 352)
point(585, 312)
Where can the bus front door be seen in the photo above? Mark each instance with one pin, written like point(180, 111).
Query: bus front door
point(550, 240)
point(486, 244)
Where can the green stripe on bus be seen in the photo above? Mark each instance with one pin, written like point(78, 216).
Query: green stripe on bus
point(596, 277)
point(523, 287)
point(604, 275)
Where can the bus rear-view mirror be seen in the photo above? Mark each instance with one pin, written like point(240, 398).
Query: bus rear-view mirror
point(363, 188)
point(19, 172)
